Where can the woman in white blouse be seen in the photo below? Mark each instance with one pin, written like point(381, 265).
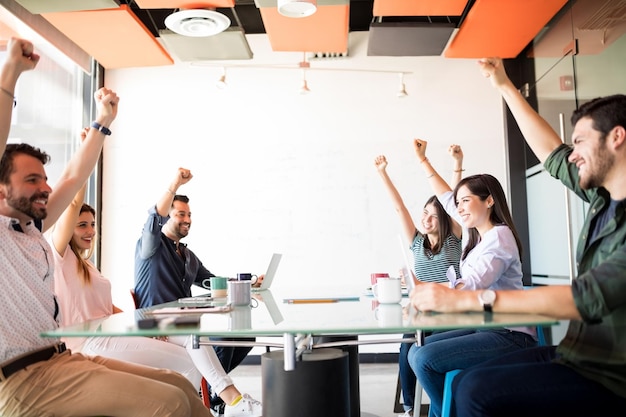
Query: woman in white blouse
point(490, 260)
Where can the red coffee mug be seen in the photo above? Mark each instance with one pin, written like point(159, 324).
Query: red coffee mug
point(374, 277)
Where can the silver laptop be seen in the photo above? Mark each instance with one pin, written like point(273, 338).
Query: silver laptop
point(407, 268)
point(270, 273)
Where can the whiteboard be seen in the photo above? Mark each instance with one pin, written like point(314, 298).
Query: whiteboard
point(552, 245)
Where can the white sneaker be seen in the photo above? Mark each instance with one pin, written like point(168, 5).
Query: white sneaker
point(247, 406)
point(407, 413)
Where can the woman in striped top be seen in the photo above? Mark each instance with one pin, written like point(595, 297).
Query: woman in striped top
point(436, 247)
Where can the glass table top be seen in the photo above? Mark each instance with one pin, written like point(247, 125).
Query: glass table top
point(270, 315)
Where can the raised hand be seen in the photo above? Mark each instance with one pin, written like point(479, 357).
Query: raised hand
point(183, 176)
point(420, 148)
point(83, 134)
point(21, 54)
point(493, 68)
point(455, 152)
point(380, 162)
point(106, 103)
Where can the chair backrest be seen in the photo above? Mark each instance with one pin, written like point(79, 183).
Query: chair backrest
point(541, 337)
point(447, 387)
point(135, 299)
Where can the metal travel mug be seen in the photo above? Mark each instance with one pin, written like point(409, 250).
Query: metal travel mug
point(239, 293)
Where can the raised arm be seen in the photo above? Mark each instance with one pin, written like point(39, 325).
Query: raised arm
point(163, 206)
point(20, 57)
point(408, 226)
point(84, 160)
point(437, 183)
point(539, 135)
point(456, 153)
point(63, 230)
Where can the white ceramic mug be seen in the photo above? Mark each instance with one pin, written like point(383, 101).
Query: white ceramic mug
point(389, 315)
point(239, 293)
point(388, 290)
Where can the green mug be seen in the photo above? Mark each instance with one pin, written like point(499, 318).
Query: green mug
point(219, 287)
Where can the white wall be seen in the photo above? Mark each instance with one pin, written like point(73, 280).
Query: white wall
point(278, 171)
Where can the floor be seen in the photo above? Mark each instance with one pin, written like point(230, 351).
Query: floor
point(377, 385)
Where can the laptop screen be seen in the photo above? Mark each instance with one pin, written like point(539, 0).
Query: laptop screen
point(270, 273)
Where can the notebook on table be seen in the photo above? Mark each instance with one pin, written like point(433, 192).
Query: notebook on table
point(269, 274)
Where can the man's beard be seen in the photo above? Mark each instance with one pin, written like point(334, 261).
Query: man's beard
point(25, 205)
point(602, 164)
point(180, 233)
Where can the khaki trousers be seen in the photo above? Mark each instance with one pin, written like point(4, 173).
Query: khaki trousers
point(71, 384)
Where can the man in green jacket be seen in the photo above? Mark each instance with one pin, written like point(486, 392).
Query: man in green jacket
point(585, 375)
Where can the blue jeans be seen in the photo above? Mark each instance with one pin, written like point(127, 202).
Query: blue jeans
point(459, 349)
point(529, 383)
point(407, 377)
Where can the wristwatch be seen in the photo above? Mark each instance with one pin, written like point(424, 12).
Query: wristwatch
point(487, 298)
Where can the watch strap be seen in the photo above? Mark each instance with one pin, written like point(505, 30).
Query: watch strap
point(98, 126)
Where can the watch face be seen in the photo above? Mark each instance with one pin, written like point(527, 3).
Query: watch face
point(488, 296)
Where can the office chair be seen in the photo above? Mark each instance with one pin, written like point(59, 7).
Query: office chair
point(446, 404)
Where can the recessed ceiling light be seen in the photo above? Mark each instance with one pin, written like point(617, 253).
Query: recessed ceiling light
point(296, 8)
point(197, 22)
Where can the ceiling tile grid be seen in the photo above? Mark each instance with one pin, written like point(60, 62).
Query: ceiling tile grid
point(136, 34)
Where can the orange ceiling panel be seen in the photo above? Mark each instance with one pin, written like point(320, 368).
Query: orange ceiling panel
point(419, 7)
point(501, 27)
point(324, 31)
point(5, 34)
point(116, 38)
point(183, 4)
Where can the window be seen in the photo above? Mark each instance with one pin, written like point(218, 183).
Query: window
point(54, 101)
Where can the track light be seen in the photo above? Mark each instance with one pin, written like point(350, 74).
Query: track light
point(305, 67)
point(305, 87)
point(221, 83)
point(402, 91)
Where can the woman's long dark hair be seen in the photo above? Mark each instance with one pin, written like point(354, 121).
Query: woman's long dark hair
point(445, 225)
point(483, 186)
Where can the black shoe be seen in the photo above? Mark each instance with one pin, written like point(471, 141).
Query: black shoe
point(218, 409)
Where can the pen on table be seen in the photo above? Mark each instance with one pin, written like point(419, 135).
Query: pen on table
point(312, 300)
